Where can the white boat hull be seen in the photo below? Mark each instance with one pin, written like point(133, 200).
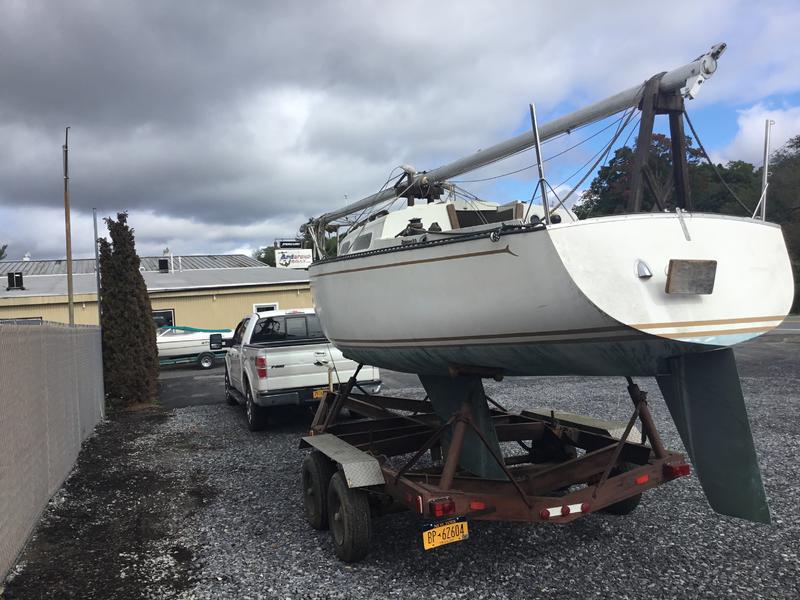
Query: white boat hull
point(565, 300)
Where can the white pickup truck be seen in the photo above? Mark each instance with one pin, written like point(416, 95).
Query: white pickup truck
point(282, 357)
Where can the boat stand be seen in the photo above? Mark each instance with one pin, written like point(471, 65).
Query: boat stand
point(399, 455)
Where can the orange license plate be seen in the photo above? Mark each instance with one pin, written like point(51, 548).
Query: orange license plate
point(449, 532)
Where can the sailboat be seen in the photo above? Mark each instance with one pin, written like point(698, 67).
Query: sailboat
point(452, 289)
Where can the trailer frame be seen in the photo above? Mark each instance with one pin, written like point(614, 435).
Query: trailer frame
point(570, 466)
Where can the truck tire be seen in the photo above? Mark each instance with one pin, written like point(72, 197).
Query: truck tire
point(349, 518)
point(206, 360)
point(627, 506)
point(229, 397)
point(256, 415)
point(317, 472)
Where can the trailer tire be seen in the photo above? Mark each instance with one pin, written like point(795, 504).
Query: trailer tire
point(317, 472)
point(350, 520)
point(256, 415)
point(627, 506)
point(206, 360)
point(229, 397)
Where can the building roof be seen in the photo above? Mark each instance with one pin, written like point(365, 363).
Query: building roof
point(191, 279)
point(148, 263)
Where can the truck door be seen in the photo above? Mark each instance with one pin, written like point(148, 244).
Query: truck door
point(234, 356)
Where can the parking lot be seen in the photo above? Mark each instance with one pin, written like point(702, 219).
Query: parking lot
point(182, 501)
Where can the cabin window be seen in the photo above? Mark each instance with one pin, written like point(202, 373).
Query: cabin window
point(362, 241)
point(344, 248)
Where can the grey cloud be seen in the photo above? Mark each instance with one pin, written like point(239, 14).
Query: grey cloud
point(227, 113)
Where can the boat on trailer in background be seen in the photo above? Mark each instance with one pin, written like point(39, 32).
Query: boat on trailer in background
point(183, 345)
point(458, 290)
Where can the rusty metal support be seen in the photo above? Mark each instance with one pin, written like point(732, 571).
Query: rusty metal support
point(638, 401)
point(454, 449)
point(336, 407)
point(648, 424)
point(425, 447)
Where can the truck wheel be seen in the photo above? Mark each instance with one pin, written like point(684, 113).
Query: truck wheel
point(256, 415)
point(206, 360)
point(350, 523)
point(317, 472)
point(229, 397)
point(627, 506)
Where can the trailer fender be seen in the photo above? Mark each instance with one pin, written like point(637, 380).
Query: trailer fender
point(360, 469)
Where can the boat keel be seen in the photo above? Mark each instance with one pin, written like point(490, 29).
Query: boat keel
point(453, 395)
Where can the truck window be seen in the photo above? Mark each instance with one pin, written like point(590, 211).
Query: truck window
point(296, 328)
point(314, 328)
point(269, 329)
point(237, 335)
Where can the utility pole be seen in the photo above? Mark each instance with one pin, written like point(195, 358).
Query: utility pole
point(70, 301)
point(97, 266)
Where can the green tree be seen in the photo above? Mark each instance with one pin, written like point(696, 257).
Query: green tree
point(783, 203)
point(130, 355)
point(3, 251)
point(266, 255)
point(609, 191)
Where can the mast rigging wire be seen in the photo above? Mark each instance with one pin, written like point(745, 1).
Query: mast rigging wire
point(713, 166)
point(583, 141)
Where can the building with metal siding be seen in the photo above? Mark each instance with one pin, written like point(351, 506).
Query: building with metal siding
point(197, 296)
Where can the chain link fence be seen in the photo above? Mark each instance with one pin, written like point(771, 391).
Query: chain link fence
point(51, 398)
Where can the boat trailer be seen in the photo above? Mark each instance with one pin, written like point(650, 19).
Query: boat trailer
point(400, 456)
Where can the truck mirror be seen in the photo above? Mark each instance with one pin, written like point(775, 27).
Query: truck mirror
point(215, 341)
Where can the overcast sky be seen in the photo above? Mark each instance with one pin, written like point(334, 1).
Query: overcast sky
point(222, 125)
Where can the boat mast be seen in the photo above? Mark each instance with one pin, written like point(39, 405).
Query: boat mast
point(765, 171)
point(685, 80)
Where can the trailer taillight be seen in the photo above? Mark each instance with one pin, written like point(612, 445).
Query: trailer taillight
point(261, 367)
point(642, 479)
point(673, 471)
point(563, 511)
point(442, 507)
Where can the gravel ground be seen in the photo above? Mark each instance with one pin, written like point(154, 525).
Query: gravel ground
point(189, 504)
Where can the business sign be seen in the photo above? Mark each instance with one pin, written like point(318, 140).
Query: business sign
point(293, 258)
point(289, 243)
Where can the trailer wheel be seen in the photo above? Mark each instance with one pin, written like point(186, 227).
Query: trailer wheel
point(317, 472)
point(206, 360)
point(349, 516)
point(229, 397)
point(627, 506)
point(256, 415)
